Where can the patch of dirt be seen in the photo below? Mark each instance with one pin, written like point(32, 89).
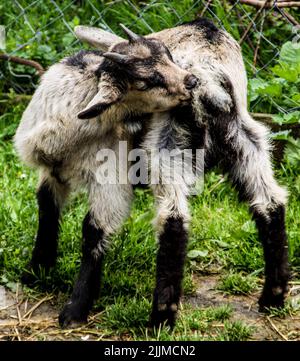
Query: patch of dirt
point(24, 318)
point(245, 309)
point(20, 316)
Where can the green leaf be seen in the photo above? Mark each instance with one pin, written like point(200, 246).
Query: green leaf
point(195, 253)
point(44, 49)
point(221, 243)
point(290, 53)
point(254, 86)
point(12, 286)
point(13, 215)
point(274, 88)
point(248, 227)
point(282, 135)
point(3, 279)
point(290, 118)
point(286, 72)
point(262, 87)
point(278, 118)
point(296, 97)
point(292, 153)
point(67, 39)
point(76, 21)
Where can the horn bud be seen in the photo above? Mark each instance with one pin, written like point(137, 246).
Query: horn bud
point(132, 37)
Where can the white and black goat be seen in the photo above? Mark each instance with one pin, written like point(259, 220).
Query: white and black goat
point(215, 119)
point(86, 103)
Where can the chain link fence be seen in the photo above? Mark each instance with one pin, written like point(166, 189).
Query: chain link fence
point(41, 31)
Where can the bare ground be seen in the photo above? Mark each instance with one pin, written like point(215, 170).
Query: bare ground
point(245, 309)
point(23, 318)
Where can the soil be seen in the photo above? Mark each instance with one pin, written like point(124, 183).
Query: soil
point(245, 309)
point(24, 318)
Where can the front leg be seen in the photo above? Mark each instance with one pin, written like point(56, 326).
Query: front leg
point(169, 273)
point(87, 285)
point(172, 221)
point(109, 205)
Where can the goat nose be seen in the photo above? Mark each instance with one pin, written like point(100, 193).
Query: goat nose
point(190, 81)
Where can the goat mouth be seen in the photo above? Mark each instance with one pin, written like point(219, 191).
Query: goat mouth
point(185, 101)
point(185, 98)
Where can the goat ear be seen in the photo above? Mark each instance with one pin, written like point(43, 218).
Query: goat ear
point(98, 38)
point(93, 110)
point(106, 96)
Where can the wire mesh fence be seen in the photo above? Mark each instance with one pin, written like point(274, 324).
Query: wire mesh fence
point(42, 31)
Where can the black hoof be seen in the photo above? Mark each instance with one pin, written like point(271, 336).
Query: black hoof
point(272, 298)
point(72, 316)
point(30, 276)
point(163, 315)
point(165, 306)
point(162, 318)
point(33, 273)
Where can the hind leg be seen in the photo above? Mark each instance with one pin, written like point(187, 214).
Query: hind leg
point(51, 195)
point(250, 169)
point(109, 205)
point(274, 239)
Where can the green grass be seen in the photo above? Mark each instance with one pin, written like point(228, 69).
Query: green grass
point(235, 331)
point(290, 309)
point(238, 284)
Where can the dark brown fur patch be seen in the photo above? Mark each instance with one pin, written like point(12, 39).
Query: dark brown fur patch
point(207, 27)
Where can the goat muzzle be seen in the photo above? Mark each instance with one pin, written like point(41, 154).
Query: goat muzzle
point(190, 82)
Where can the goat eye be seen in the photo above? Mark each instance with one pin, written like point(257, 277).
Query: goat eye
point(141, 85)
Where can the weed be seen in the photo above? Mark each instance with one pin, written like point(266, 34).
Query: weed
point(235, 331)
point(237, 283)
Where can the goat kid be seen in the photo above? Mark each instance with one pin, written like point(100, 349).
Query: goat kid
point(216, 120)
